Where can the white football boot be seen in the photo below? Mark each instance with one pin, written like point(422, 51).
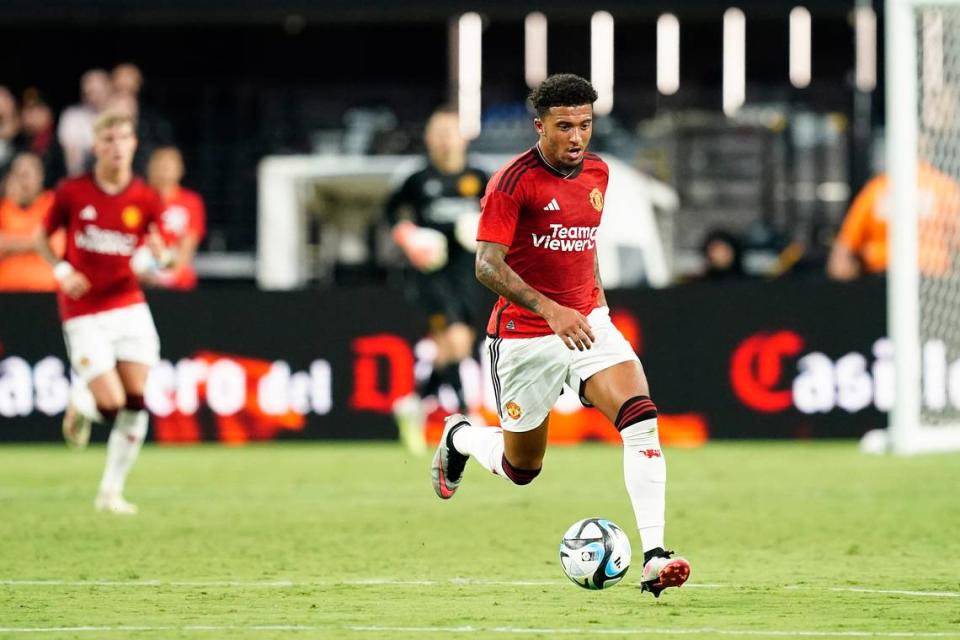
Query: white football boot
point(411, 421)
point(114, 503)
point(76, 428)
point(661, 571)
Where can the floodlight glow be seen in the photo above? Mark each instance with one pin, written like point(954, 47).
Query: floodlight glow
point(601, 61)
point(535, 48)
point(668, 54)
point(800, 27)
point(734, 60)
point(469, 39)
point(865, 29)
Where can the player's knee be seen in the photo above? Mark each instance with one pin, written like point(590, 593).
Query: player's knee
point(635, 410)
point(135, 402)
point(108, 410)
point(520, 475)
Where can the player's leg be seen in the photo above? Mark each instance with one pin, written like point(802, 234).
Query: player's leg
point(137, 348)
point(622, 394)
point(527, 377)
point(616, 385)
point(97, 393)
point(454, 345)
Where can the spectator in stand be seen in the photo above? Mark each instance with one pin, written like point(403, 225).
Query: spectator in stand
point(39, 135)
point(75, 130)
point(184, 219)
point(9, 129)
point(127, 78)
point(861, 246)
point(723, 257)
point(153, 130)
point(22, 212)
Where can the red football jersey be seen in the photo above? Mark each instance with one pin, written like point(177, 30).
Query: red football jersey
point(103, 231)
point(183, 214)
point(549, 221)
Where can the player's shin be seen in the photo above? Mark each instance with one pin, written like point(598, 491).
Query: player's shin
point(484, 444)
point(123, 446)
point(644, 468)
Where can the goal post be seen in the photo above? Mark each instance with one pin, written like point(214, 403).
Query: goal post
point(923, 137)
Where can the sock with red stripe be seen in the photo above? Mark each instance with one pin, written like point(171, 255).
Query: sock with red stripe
point(485, 445)
point(123, 446)
point(644, 467)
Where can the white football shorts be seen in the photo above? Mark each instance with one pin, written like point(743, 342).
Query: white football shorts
point(529, 373)
point(97, 341)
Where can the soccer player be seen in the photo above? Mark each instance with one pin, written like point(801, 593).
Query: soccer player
point(184, 219)
point(111, 341)
point(442, 201)
point(551, 324)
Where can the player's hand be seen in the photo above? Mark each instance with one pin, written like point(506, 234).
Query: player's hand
point(75, 285)
point(571, 326)
point(161, 253)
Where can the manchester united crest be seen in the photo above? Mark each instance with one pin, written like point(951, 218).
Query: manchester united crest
point(131, 217)
point(469, 185)
point(596, 199)
point(513, 410)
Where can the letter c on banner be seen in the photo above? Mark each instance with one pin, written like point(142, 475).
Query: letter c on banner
point(756, 369)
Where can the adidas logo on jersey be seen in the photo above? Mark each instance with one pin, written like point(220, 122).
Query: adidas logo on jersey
point(88, 213)
point(552, 206)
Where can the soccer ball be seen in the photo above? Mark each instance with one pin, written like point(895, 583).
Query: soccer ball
point(595, 553)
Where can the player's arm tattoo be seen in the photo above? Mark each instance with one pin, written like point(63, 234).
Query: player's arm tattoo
point(601, 296)
point(494, 273)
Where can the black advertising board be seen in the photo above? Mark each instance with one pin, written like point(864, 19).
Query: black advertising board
point(781, 359)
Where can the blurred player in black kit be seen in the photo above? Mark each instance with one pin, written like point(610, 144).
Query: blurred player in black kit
point(434, 216)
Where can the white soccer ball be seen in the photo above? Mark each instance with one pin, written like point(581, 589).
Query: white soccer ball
point(595, 553)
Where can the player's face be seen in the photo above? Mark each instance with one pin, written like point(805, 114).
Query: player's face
point(114, 146)
point(565, 133)
point(445, 144)
point(165, 168)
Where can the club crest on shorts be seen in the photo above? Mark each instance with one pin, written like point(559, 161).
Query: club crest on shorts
point(514, 411)
point(596, 199)
point(131, 216)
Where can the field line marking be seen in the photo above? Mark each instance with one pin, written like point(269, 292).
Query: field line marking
point(491, 630)
point(901, 592)
point(392, 582)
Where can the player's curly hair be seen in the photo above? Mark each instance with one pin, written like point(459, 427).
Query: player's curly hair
point(562, 90)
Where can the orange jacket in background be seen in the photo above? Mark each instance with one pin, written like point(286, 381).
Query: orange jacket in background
point(864, 230)
point(27, 271)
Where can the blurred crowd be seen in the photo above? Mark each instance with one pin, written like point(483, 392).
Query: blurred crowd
point(39, 148)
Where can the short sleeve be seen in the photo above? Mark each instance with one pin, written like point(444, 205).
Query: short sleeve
point(198, 217)
point(854, 229)
point(398, 199)
point(498, 218)
point(58, 214)
point(154, 207)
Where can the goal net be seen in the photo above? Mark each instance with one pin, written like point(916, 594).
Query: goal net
point(923, 158)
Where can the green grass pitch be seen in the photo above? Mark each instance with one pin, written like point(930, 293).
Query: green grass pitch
point(349, 541)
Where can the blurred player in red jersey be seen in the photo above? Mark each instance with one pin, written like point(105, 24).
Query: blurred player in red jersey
point(551, 325)
point(109, 332)
point(183, 222)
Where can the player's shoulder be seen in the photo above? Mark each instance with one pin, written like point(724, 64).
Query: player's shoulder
point(190, 196)
point(510, 175)
point(593, 162)
point(79, 183)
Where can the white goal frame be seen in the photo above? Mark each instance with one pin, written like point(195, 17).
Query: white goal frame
point(907, 434)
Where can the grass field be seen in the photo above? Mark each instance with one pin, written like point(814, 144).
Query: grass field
point(348, 541)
